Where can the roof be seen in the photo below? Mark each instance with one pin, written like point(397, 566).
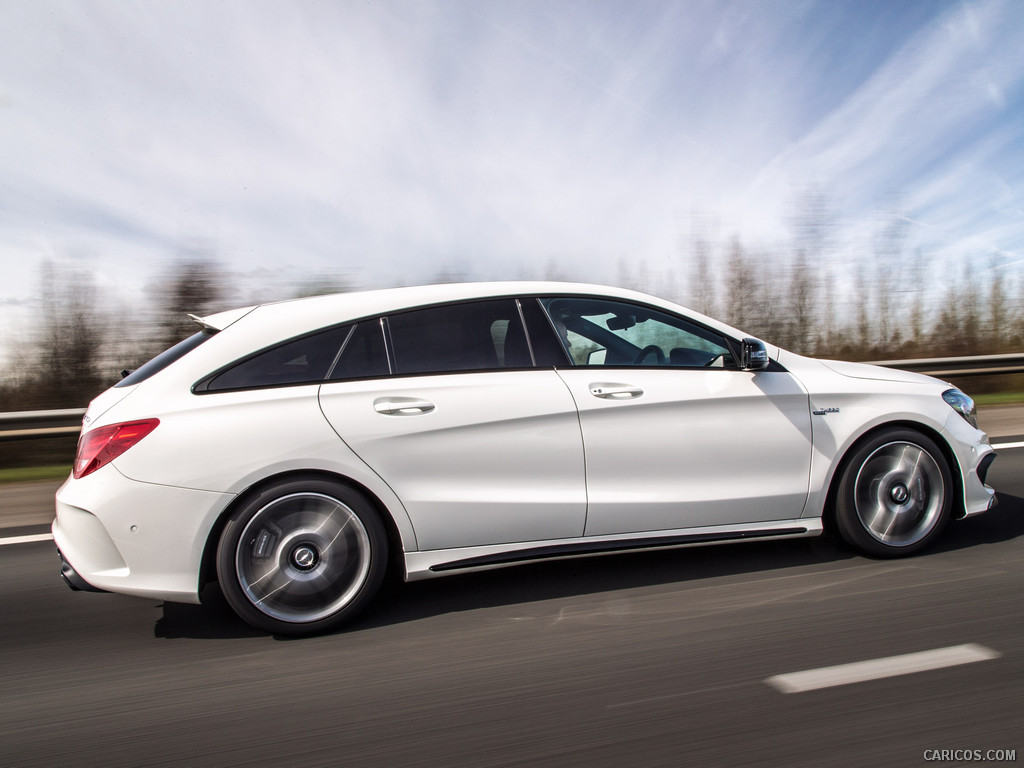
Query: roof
point(296, 316)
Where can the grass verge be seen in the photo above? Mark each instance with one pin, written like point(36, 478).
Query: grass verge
point(999, 398)
point(33, 474)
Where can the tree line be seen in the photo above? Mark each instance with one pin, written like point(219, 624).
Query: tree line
point(887, 306)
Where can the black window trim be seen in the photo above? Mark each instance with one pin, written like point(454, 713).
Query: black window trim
point(200, 387)
point(340, 352)
point(550, 328)
point(526, 332)
point(734, 344)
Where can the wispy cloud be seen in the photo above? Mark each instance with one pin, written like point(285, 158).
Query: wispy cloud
point(932, 125)
point(396, 139)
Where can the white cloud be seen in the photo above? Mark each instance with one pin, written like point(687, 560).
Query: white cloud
point(397, 139)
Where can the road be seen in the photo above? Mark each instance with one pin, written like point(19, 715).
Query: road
point(653, 659)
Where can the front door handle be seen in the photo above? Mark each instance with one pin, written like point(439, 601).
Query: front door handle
point(615, 391)
point(401, 406)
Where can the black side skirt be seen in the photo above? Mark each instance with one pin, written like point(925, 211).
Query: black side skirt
point(584, 548)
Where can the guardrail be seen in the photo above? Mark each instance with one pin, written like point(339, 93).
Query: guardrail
point(978, 365)
point(23, 425)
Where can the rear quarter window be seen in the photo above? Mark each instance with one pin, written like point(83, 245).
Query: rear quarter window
point(305, 360)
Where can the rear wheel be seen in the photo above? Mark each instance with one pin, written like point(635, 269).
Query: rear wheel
point(895, 494)
point(302, 556)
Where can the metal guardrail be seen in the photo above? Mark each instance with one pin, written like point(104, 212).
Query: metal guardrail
point(978, 365)
point(22, 425)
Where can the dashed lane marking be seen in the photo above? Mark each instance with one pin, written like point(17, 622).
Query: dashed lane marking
point(876, 669)
point(999, 446)
point(26, 539)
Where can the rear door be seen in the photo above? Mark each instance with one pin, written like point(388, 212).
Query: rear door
point(480, 444)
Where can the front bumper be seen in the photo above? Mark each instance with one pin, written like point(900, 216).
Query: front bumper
point(975, 455)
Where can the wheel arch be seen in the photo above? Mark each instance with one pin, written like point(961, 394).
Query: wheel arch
point(957, 509)
point(396, 550)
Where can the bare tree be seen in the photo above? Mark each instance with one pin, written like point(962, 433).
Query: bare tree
point(740, 286)
point(321, 285)
point(999, 331)
point(864, 311)
point(63, 360)
point(915, 329)
point(946, 333)
point(969, 337)
point(702, 281)
point(827, 339)
point(195, 286)
point(801, 305)
point(633, 274)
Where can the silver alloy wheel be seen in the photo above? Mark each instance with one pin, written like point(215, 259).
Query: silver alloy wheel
point(899, 493)
point(302, 557)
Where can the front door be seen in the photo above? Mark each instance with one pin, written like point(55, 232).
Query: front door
point(675, 435)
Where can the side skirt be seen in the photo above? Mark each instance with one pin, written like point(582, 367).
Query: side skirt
point(429, 564)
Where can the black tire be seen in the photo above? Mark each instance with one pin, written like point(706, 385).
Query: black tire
point(895, 494)
point(302, 556)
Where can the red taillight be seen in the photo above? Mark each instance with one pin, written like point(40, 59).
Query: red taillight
point(104, 444)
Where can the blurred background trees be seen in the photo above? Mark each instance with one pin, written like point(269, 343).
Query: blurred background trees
point(56, 361)
point(890, 303)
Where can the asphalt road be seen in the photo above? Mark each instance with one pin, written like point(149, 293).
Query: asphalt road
point(653, 659)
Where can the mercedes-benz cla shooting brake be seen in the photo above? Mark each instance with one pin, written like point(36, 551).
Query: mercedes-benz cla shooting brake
point(295, 451)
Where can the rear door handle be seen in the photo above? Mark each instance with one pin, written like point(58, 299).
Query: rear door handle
point(608, 391)
point(401, 406)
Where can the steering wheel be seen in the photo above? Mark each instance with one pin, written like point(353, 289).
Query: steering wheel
point(650, 349)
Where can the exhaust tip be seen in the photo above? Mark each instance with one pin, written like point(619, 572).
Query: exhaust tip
point(72, 578)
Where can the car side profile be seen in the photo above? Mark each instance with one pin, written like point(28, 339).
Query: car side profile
point(296, 451)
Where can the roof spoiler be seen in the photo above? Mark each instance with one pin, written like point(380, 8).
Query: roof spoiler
point(202, 323)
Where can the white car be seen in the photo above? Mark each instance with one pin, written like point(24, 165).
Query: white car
point(295, 451)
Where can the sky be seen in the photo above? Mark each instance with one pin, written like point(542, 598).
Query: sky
point(391, 141)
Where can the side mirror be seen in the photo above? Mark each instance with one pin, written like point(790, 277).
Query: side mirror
point(753, 355)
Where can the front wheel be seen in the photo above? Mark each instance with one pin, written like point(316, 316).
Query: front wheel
point(302, 556)
point(895, 494)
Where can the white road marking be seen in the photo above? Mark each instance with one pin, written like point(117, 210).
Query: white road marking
point(875, 669)
point(26, 539)
point(999, 446)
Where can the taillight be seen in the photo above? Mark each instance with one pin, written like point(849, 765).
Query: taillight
point(104, 444)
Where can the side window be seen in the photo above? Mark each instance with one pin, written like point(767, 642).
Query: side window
point(613, 333)
point(478, 335)
point(364, 355)
point(303, 360)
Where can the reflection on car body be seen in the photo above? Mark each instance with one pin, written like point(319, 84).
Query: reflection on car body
point(295, 451)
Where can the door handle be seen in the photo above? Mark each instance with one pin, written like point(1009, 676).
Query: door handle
point(615, 391)
point(401, 406)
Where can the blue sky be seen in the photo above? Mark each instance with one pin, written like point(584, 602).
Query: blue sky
point(391, 141)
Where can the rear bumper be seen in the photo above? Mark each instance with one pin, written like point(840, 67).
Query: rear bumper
point(119, 535)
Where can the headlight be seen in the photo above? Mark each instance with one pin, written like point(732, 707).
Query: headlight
point(962, 404)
